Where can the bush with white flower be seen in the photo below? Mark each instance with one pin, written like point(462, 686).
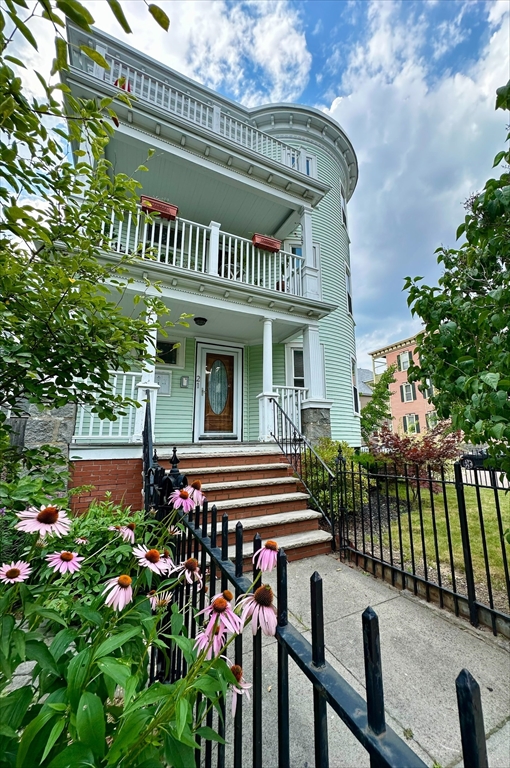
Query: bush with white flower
point(87, 601)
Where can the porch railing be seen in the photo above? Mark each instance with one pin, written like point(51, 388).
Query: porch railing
point(160, 93)
point(290, 400)
point(90, 428)
point(187, 245)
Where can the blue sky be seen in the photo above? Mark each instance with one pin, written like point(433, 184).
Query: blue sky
point(412, 82)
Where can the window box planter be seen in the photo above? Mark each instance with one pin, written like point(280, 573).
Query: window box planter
point(153, 205)
point(266, 243)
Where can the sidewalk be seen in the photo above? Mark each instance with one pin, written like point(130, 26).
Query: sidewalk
point(423, 650)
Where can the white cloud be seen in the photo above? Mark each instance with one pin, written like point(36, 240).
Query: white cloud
point(424, 143)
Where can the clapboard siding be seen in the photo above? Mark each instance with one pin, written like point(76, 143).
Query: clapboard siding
point(174, 412)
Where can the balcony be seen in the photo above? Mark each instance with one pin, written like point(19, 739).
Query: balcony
point(205, 250)
point(153, 90)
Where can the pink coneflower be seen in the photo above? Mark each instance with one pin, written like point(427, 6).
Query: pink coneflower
point(220, 613)
point(151, 558)
point(259, 606)
point(266, 557)
point(14, 572)
point(65, 562)
point(159, 599)
point(126, 531)
point(119, 591)
point(214, 643)
point(182, 499)
point(49, 520)
point(241, 688)
point(81, 540)
point(195, 492)
point(191, 571)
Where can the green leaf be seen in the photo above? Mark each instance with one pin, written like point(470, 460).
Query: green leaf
point(128, 734)
point(30, 733)
point(75, 756)
point(52, 738)
point(90, 723)
point(89, 614)
point(115, 669)
point(61, 642)
point(60, 63)
point(181, 716)
point(46, 613)
point(207, 733)
point(23, 29)
point(153, 695)
point(119, 15)
point(116, 641)
point(14, 60)
point(76, 12)
point(6, 627)
point(14, 706)
point(491, 379)
point(38, 651)
point(8, 732)
point(160, 16)
point(77, 674)
point(95, 56)
point(179, 755)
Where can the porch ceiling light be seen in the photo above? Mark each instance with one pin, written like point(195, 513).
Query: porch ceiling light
point(200, 320)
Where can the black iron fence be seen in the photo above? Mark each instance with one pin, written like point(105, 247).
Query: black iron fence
point(206, 538)
point(439, 534)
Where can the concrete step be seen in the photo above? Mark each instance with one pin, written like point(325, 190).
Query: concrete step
point(254, 506)
point(296, 546)
point(238, 489)
point(227, 474)
point(202, 456)
point(274, 526)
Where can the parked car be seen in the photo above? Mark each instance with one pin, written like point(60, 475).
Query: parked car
point(474, 459)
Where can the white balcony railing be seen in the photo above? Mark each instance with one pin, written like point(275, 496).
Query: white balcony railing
point(290, 400)
point(90, 428)
point(186, 244)
point(163, 95)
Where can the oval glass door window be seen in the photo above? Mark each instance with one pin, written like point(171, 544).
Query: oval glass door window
point(218, 387)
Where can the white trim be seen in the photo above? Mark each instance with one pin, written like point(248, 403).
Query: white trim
point(289, 361)
point(202, 349)
point(307, 155)
point(94, 452)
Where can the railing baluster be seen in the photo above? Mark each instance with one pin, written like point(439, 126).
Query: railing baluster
point(320, 707)
point(283, 665)
point(238, 643)
point(257, 675)
point(472, 731)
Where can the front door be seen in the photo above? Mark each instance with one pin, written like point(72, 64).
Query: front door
point(218, 393)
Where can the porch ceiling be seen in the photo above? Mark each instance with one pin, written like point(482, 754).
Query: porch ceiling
point(201, 194)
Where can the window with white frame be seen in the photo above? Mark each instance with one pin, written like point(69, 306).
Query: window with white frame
point(171, 353)
point(354, 376)
point(429, 390)
point(348, 289)
point(404, 360)
point(431, 419)
point(298, 369)
point(407, 393)
point(343, 205)
point(411, 423)
point(310, 164)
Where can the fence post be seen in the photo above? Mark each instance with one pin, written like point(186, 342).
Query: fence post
point(373, 678)
point(472, 731)
point(320, 713)
point(257, 674)
point(283, 665)
point(466, 547)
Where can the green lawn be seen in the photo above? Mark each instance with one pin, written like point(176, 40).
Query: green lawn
point(490, 526)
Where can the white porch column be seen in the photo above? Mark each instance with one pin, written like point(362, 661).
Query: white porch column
point(214, 247)
point(265, 406)
point(315, 380)
point(147, 383)
point(311, 284)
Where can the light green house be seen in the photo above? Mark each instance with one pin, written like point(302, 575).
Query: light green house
point(269, 322)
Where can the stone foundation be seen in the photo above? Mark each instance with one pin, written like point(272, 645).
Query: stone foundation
point(51, 427)
point(315, 423)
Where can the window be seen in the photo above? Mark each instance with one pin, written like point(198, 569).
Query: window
point(404, 360)
point(348, 289)
point(411, 423)
point(311, 165)
point(343, 205)
point(431, 419)
point(297, 250)
point(407, 393)
point(171, 353)
point(354, 376)
point(298, 370)
point(429, 391)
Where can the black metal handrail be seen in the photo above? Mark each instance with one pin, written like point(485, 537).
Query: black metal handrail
point(313, 472)
point(206, 538)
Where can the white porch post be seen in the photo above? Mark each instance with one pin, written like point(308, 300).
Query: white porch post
point(147, 383)
point(214, 247)
point(265, 406)
point(311, 283)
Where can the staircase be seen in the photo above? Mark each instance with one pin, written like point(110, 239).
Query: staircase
point(254, 484)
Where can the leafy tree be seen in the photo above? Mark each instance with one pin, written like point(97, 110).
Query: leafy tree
point(61, 325)
point(377, 410)
point(465, 346)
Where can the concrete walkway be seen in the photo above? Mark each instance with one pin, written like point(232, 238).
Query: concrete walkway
point(423, 650)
